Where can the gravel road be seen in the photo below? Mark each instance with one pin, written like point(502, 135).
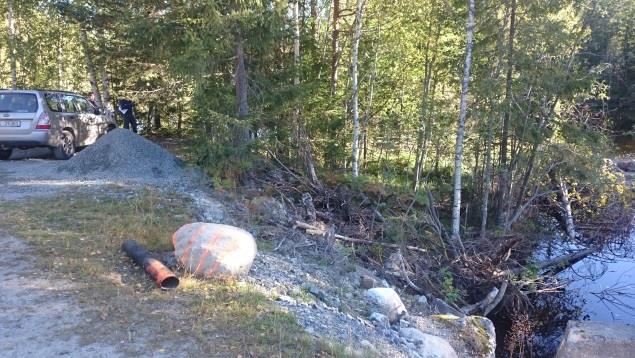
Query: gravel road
point(40, 315)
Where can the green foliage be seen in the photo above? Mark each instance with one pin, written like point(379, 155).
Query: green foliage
point(570, 79)
point(451, 294)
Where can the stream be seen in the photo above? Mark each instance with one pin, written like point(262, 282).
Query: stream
point(597, 288)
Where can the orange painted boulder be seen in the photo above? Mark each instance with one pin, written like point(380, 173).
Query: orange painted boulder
point(214, 250)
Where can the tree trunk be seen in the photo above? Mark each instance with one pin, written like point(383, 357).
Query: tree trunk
point(566, 208)
point(90, 68)
point(157, 119)
point(355, 86)
point(179, 122)
point(11, 40)
point(505, 179)
point(422, 122)
point(105, 86)
point(460, 132)
point(335, 44)
point(487, 176)
point(304, 144)
point(368, 111)
point(314, 16)
point(489, 141)
point(242, 136)
point(60, 59)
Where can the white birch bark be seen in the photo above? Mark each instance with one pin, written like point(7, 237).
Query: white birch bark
point(460, 131)
point(566, 207)
point(11, 38)
point(335, 44)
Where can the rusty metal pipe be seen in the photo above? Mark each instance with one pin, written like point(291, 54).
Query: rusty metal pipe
point(159, 273)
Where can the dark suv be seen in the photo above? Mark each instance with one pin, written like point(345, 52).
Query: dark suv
point(59, 120)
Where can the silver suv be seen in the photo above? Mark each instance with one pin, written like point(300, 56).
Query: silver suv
point(62, 121)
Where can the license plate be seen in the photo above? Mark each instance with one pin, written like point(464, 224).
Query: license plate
point(9, 123)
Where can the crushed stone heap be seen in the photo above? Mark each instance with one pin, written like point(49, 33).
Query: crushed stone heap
point(124, 155)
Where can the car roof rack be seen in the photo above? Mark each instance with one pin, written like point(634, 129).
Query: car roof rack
point(52, 90)
point(39, 89)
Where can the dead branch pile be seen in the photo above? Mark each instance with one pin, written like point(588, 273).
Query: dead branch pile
point(385, 226)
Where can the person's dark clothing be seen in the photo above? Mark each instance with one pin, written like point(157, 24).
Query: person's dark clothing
point(126, 111)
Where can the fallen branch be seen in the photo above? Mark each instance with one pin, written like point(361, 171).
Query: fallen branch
point(404, 273)
point(491, 296)
point(313, 230)
point(497, 299)
point(560, 260)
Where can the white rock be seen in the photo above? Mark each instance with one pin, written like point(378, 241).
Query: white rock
point(488, 326)
point(365, 344)
point(214, 250)
point(287, 299)
point(422, 300)
point(380, 319)
point(412, 335)
point(393, 262)
point(429, 346)
point(387, 302)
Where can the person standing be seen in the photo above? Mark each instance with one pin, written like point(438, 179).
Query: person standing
point(91, 99)
point(125, 108)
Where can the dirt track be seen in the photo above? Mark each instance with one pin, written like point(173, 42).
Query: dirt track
point(41, 315)
point(38, 315)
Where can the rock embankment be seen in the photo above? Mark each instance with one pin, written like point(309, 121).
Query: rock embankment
point(584, 339)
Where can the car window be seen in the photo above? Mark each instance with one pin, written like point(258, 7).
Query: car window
point(83, 105)
point(69, 104)
point(18, 102)
point(54, 102)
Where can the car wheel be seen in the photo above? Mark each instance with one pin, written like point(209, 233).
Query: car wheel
point(5, 154)
point(66, 149)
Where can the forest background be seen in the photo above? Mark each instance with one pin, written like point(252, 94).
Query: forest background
point(458, 125)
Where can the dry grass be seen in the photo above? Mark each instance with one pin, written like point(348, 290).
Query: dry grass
point(78, 238)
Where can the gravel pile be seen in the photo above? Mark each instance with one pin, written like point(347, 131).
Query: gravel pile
point(124, 155)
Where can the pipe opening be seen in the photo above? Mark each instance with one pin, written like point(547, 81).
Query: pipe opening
point(169, 283)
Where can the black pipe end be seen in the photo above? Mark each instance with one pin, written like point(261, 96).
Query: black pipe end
point(170, 283)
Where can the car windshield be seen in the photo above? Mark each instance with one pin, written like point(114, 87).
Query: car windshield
point(18, 102)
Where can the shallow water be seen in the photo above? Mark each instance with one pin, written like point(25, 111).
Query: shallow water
point(625, 144)
point(595, 289)
point(606, 290)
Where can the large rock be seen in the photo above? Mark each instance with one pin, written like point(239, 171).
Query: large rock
point(584, 339)
point(441, 307)
point(478, 331)
point(428, 346)
point(214, 250)
point(387, 302)
point(626, 164)
point(268, 210)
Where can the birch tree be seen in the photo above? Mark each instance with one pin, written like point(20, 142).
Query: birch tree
point(460, 131)
point(335, 45)
point(11, 39)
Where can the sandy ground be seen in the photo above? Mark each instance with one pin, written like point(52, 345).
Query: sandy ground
point(38, 315)
point(41, 315)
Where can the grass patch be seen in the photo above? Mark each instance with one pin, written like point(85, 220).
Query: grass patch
point(78, 237)
point(82, 233)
